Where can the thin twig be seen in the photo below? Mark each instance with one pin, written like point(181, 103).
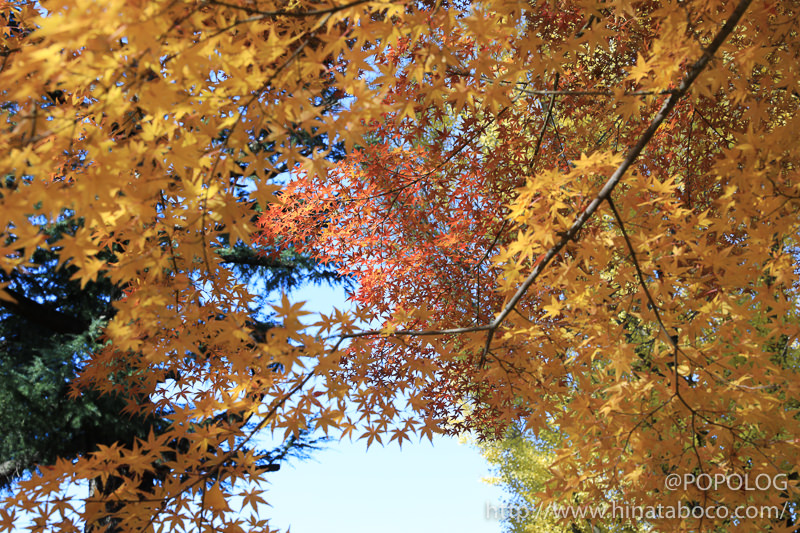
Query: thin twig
point(544, 126)
point(639, 273)
point(285, 13)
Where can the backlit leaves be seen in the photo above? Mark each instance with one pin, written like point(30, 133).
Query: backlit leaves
point(653, 325)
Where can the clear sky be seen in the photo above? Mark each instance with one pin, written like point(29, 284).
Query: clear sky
point(424, 488)
point(346, 489)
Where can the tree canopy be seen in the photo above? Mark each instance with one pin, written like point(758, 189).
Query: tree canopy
point(576, 216)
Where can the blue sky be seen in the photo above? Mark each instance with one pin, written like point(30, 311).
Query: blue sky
point(423, 487)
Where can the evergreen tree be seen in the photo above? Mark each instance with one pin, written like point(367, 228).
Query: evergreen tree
point(52, 327)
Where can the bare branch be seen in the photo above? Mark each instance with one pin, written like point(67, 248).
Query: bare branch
point(547, 120)
point(284, 13)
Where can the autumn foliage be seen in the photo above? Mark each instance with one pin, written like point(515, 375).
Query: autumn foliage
point(576, 216)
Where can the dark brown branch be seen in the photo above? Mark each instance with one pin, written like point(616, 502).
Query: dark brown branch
point(640, 274)
point(567, 92)
point(547, 120)
point(285, 13)
point(452, 71)
point(42, 315)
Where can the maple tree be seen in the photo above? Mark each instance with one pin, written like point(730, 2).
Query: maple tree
point(533, 182)
point(52, 321)
point(127, 372)
point(607, 249)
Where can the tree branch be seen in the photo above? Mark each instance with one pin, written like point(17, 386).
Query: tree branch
point(12, 469)
point(547, 120)
point(285, 13)
point(42, 315)
point(605, 192)
point(632, 155)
